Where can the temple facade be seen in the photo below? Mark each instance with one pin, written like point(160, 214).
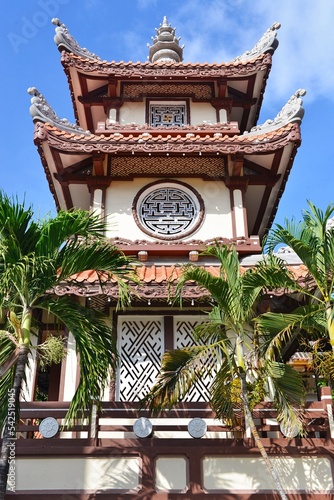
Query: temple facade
point(173, 155)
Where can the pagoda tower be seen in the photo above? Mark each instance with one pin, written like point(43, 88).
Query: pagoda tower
point(170, 152)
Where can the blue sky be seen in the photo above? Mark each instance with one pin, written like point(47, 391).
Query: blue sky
point(212, 30)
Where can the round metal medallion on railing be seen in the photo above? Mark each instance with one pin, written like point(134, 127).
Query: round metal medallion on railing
point(48, 427)
point(197, 427)
point(143, 427)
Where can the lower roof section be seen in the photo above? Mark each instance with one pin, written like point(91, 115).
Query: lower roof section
point(156, 282)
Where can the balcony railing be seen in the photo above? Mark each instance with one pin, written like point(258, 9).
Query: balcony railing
point(115, 422)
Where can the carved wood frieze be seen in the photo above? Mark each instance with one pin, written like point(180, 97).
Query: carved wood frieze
point(167, 144)
point(139, 165)
point(142, 291)
point(138, 90)
point(138, 70)
point(230, 128)
point(123, 242)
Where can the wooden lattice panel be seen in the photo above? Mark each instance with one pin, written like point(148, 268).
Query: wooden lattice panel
point(132, 166)
point(140, 346)
point(98, 302)
point(138, 90)
point(183, 337)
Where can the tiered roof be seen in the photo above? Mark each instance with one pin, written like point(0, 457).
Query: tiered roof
point(72, 154)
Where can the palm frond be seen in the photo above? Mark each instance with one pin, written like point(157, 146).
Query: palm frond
point(271, 273)
point(288, 393)
point(210, 283)
point(311, 241)
point(213, 329)
point(7, 364)
point(229, 262)
point(95, 345)
point(17, 228)
point(277, 329)
point(98, 255)
point(180, 368)
point(225, 393)
point(68, 226)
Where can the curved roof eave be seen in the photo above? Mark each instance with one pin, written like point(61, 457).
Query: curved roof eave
point(65, 41)
point(145, 142)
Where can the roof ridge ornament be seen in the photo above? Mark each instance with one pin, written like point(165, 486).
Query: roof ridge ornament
point(292, 111)
point(40, 110)
point(165, 45)
point(65, 41)
point(268, 43)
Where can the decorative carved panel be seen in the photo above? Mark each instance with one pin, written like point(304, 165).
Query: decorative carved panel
point(140, 346)
point(183, 337)
point(201, 166)
point(168, 210)
point(168, 115)
point(138, 90)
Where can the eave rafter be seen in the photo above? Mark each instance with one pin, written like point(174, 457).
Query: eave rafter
point(94, 96)
point(67, 178)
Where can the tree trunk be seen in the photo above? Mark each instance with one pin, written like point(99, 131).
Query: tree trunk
point(330, 324)
point(249, 419)
point(9, 435)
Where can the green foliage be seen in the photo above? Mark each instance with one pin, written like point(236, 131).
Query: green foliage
point(323, 362)
point(312, 239)
point(35, 258)
point(53, 350)
point(245, 367)
point(180, 368)
point(7, 352)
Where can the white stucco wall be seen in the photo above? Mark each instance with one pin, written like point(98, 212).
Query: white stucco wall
point(311, 473)
point(77, 474)
point(217, 220)
point(171, 474)
point(132, 112)
point(97, 202)
point(239, 214)
point(135, 112)
point(70, 369)
point(202, 112)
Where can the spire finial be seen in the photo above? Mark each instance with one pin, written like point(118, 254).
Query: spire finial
point(165, 45)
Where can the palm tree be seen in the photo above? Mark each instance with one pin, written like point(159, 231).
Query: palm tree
point(244, 369)
point(36, 256)
point(312, 239)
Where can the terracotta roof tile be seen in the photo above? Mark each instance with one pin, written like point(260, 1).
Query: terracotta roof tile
point(160, 274)
point(163, 274)
point(221, 141)
point(150, 274)
point(162, 64)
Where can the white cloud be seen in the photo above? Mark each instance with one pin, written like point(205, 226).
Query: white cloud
point(219, 30)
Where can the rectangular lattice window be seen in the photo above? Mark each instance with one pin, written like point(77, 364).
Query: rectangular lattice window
point(167, 115)
point(140, 346)
point(183, 337)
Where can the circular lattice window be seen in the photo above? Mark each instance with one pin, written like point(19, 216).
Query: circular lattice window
point(168, 210)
